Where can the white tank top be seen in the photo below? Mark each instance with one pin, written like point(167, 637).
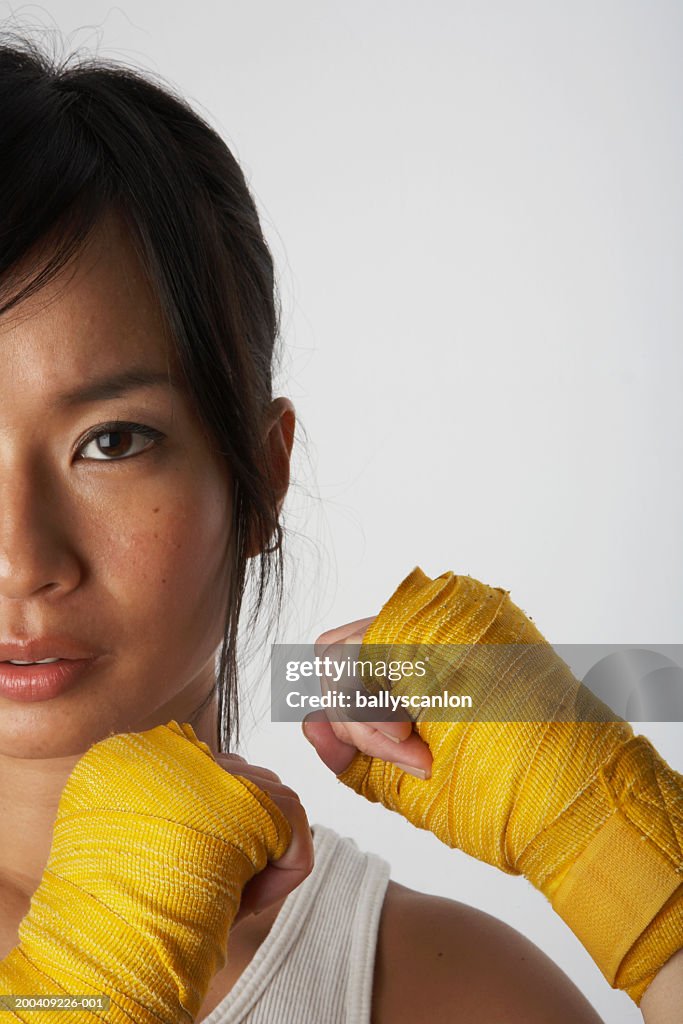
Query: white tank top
point(316, 963)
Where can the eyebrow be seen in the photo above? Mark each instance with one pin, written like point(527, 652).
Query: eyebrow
point(112, 387)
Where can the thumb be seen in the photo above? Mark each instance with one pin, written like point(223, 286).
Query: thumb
point(332, 751)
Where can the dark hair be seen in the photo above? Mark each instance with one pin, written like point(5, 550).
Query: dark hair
point(81, 137)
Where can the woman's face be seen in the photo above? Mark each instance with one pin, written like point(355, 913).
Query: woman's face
point(119, 543)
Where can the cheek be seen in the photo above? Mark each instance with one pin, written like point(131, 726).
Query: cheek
point(166, 568)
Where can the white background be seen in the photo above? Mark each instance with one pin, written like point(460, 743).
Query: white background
point(476, 212)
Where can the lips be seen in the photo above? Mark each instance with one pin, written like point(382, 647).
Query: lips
point(46, 646)
point(43, 683)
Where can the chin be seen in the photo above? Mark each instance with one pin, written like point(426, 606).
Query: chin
point(39, 734)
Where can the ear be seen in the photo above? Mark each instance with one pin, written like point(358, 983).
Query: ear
point(278, 442)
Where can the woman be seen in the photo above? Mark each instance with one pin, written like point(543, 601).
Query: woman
point(144, 465)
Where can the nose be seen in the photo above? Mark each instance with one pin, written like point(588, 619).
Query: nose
point(36, 556)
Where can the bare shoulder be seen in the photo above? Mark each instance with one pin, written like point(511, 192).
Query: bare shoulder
point(455, 963)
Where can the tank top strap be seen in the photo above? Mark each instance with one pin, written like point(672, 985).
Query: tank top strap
point(317, 961)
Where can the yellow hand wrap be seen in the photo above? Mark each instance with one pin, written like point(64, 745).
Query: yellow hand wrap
point(588, 812)
point(153, 844)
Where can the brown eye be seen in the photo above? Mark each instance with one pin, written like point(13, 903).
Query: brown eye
point(116, 441)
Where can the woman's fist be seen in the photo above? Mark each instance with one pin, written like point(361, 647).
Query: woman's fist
point(337, 742)
point(281, 876)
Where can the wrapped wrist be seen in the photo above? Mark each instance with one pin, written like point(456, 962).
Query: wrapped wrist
point(152, 846)
point(555, 798)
